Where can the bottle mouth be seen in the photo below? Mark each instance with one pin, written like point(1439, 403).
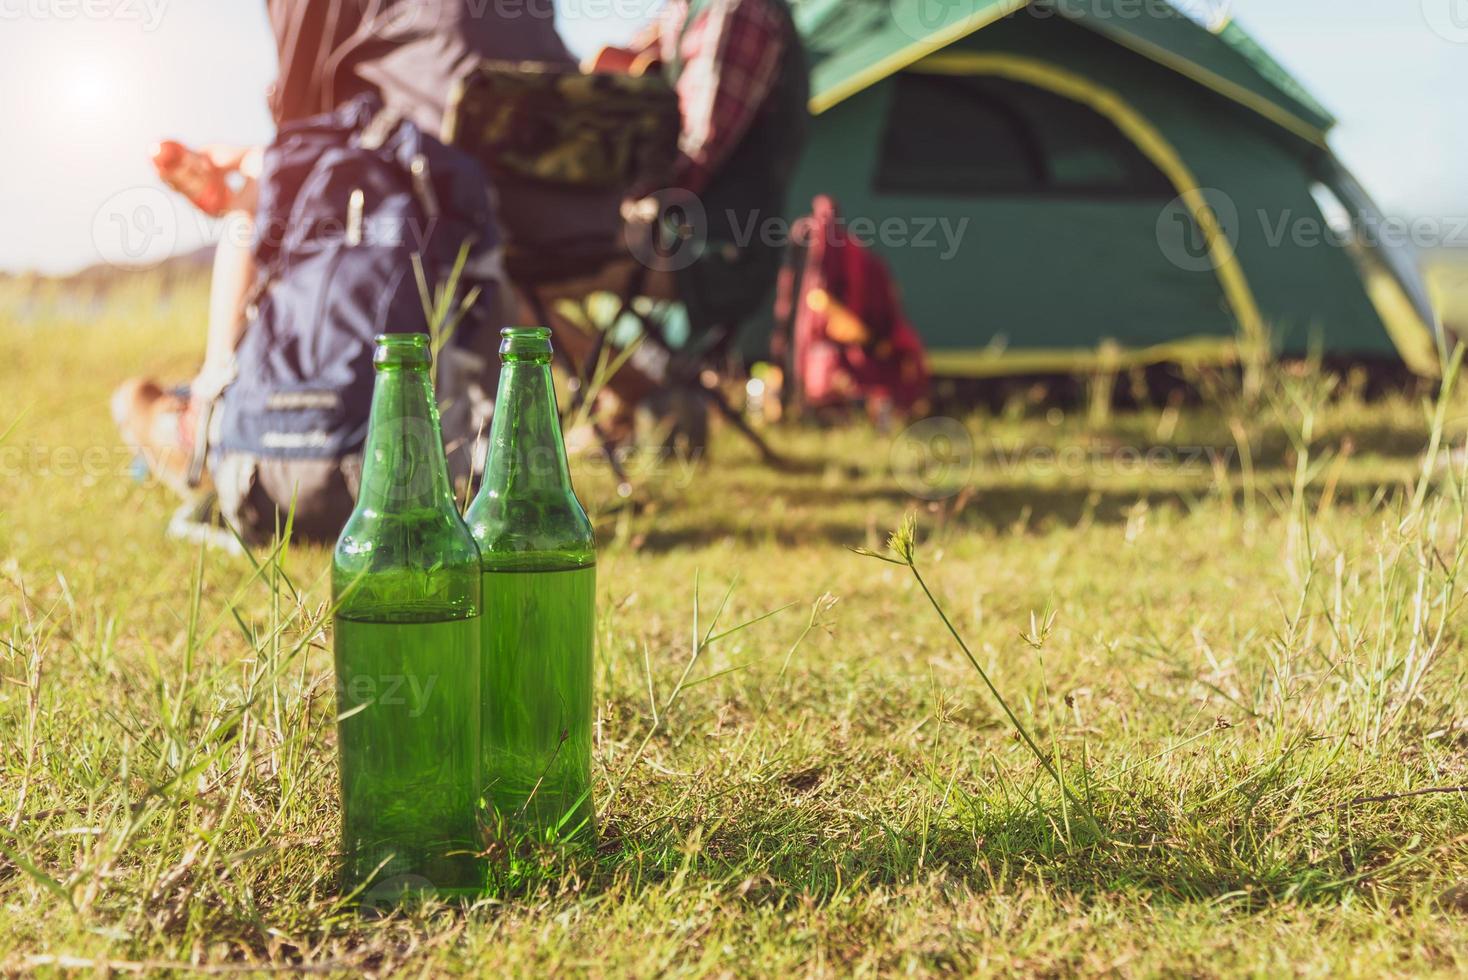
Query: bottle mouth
point(525, 343)
point(402, 349)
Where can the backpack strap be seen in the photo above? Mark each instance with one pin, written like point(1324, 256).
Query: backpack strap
point(376, 133)
point(380, 127)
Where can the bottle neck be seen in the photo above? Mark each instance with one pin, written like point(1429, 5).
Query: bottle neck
point(527, 456)
point(403, 465)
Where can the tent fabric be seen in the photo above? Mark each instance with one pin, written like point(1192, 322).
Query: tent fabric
point(854, 44)
point(964, 133)
point(1220, 270)
point(1393, 278)
point(857, 43)
point(1230, 62)
point(1263, 62)
point(1029, 274)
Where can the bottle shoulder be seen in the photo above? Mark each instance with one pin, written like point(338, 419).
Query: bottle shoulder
point(374, 542)
point(545, 529)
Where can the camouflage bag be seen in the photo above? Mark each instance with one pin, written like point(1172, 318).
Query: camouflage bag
point(548, 124)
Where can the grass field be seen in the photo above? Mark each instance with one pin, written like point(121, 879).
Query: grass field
point(1448, 279)
point(1235, 634)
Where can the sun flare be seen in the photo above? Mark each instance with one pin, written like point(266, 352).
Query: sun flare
point(86, 88)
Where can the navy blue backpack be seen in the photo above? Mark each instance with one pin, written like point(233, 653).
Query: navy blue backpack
point(346, 200)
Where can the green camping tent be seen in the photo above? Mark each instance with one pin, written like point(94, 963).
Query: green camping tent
point(1051, 179)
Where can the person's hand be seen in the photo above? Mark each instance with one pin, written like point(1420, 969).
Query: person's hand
point(623, 61)
point(244, 164)
point(640, 210)
point(217, 179)
point(609, 61)
point(243, 160)
point(209, 383)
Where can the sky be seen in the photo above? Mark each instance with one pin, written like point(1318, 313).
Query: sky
point(87, 86)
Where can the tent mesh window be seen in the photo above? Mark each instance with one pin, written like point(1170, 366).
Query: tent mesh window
point(979, 136)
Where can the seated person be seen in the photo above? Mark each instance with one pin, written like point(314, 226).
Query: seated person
point(739, 69)
point(405, 53)
point(740, 72)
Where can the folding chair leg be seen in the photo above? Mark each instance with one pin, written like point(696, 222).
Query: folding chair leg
point(624, 485)
point(588, 370)
point(767, 454)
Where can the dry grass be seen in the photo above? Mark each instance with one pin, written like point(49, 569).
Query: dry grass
point(1239, 656)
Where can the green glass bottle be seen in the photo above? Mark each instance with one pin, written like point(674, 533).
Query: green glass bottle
point(539, 560)
point(405, 580)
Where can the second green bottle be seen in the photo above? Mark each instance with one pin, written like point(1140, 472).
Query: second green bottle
point(539, 577)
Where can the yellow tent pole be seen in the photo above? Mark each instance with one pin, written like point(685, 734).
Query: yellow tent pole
point(1412, 337)
point(879, 70)
point(1147, 138)
point(1229, 90)
point(893, 63)
point(1009, 361)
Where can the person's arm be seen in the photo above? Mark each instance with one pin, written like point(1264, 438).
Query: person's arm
point(245, 161)
point(642, 51)
point(234, 270)
point(731, 59)
point(230, 283)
